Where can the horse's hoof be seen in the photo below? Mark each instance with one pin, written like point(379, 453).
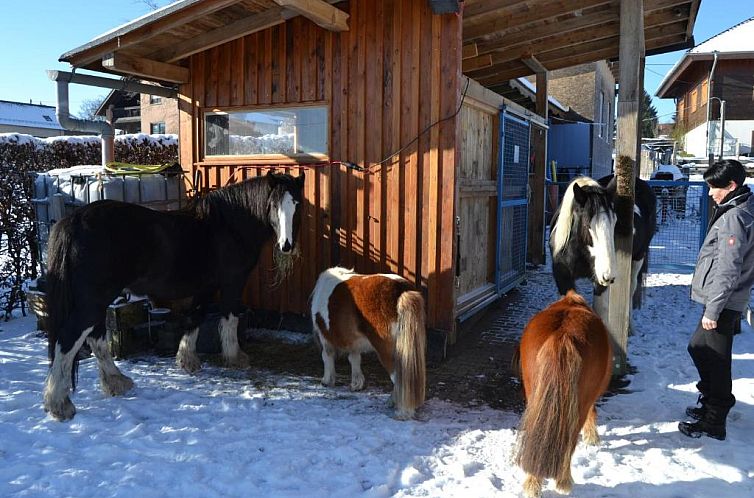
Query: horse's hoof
point(404, 414)
point(189, 363)
point(328, 381)
point(357, 383)
point(241, 360)
point(592, 439)
point(532, 487)
point(61, 411)
point(564, 486)
point(116, 385)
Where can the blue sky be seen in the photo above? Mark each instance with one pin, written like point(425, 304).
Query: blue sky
point(34, 33)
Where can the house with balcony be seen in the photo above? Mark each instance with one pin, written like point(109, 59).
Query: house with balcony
point(713, 88)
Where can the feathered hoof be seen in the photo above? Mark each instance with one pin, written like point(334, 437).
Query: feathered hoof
point(188, 362)
point(240, 361)
point(404, 414)
point(591, 438)
point(532, 487)
point(564, 486)
point(357, 382)
point(328, 381)
point(61, 411)
point(116, 385)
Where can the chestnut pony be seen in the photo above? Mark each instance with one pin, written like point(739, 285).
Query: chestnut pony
point(356, 314)
point(565, 360)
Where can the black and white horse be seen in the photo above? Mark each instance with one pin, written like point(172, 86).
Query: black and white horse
point(645, 225)
point(582, 240)
point(207, 249)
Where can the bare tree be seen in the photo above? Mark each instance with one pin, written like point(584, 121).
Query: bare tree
point(88, 109)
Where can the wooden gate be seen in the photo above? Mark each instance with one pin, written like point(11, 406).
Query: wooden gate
point(476, 219)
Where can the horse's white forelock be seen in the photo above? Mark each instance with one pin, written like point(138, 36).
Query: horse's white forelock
point(561, 232)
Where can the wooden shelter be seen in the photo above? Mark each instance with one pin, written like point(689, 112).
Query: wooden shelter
point(407, 148)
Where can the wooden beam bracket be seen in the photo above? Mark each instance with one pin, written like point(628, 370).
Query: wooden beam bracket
point(146, 68)
point(319, 12)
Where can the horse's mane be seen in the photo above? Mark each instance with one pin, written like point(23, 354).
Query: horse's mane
point(248, 196)
point(561, 232)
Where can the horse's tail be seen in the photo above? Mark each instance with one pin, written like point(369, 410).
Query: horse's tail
point(410, 347)
point(59, 294)
point(549, 426)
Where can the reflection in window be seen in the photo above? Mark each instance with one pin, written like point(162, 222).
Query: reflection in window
point(288, 131)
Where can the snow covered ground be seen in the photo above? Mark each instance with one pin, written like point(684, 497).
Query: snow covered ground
point(230, 433)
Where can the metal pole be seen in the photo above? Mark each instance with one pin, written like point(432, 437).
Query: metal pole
point(722, 128)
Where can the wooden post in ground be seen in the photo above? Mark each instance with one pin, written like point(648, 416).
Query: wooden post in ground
point(536, 236)
point(614, 306)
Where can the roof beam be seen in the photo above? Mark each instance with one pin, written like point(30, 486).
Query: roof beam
point(470, 51)
point(549, 10)
point(187, 15)
point(533, 64)
point(218, 36)
point(568, 44)
point(146, 68)
point(319, 12)
point(120, 84)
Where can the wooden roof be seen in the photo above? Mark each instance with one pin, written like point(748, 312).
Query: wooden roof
point(155, 46)
point(505, 39)
point(502, 39)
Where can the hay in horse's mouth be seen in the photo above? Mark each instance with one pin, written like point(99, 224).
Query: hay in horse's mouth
point(283, 264)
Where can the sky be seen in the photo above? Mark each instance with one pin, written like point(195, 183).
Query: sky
point(34, 33)
point(229, 433)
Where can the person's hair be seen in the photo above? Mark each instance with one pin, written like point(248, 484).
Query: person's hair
point(720, 174)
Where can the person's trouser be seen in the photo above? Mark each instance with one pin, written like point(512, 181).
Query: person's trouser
point(711, 352)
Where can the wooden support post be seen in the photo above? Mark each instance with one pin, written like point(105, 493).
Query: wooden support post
point(536, 236)
point(614, 305)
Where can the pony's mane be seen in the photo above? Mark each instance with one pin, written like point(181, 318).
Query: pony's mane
point(561, 232)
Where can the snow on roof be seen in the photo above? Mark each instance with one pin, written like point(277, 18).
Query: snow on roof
point(739, 38)
point(28, 115)
point(531, 86)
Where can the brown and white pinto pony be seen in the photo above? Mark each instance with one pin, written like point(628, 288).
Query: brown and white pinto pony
point(565, 360)
point(383, 313)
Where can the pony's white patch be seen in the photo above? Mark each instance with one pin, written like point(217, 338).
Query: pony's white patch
point(286, 210)
point(561, 232)
point(602, 230)
point(637, 210)
point(58, 383)
point(326, 283)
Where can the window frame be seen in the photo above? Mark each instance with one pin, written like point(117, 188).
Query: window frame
point(263, 158)
point(158, 123)
point(154, 99)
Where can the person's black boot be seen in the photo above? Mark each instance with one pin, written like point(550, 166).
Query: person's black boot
point(712, 425)
point(697, 412)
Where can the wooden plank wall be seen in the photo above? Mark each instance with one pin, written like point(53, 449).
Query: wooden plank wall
point(396, 71)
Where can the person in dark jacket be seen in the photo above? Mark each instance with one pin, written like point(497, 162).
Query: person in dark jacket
point(722, 282)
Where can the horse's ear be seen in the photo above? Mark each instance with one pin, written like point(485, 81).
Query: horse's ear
point(579, 195)
point(269, 172)
point(612, 186)
point(300, 180)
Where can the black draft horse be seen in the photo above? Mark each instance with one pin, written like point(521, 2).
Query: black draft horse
point(582, 241)
point(205, 249)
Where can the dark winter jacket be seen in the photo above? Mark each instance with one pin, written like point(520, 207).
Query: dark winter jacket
point(724, 272)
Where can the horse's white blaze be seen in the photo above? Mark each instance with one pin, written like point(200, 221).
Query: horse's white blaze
point(58, 383)
point(326, 283)
point(286, 210)
point(561, 232)
point(602, 229)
